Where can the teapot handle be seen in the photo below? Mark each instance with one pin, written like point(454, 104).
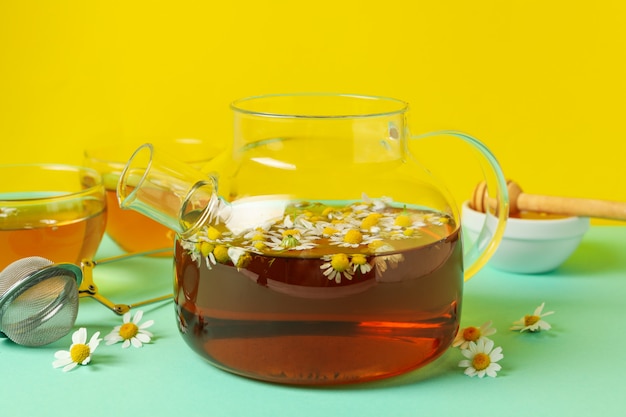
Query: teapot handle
point(476, 254)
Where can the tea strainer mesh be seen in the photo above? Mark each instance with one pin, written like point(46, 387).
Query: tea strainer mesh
point(38, 300)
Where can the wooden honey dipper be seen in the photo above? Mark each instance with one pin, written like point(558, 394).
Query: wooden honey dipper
point(520, 201)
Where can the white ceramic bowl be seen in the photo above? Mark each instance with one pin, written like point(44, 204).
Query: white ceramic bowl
point(530, 246)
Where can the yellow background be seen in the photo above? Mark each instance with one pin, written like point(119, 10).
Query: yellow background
point(541, 83)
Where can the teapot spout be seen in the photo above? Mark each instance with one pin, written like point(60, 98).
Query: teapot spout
point(168, 191)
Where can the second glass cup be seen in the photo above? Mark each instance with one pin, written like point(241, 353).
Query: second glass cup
point(55, 211)
point(130, 230)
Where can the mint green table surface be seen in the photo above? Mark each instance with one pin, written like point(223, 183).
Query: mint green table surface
point(576, 369)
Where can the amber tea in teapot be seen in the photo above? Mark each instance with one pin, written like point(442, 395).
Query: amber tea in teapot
point(327, 294)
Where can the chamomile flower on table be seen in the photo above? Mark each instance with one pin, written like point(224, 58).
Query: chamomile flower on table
point(130, 332)
point(80, 351)
point(472, 334)
point(533, 322)
point(481, 359)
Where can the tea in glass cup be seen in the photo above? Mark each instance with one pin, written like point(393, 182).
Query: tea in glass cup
point(54, 211)
point(130, 230)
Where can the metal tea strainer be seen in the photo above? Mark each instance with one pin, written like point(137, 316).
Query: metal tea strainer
point(39, 299)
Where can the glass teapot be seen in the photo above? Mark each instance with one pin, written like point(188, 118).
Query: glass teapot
point(319, 251)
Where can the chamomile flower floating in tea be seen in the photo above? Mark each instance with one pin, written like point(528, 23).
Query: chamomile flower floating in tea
point(239, 257)
point(473, 334)
point(338, 264)
point(289, 239)
point(359, 263)
point(352, 238)
point(481, 359)
point(348, 240)
point(130, 332)
point(533, 322)
point(80, 351)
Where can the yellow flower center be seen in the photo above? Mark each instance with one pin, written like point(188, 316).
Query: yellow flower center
point(376, 244)
point(221, 254)
point(128, 330)
point(259, 246)
point(481, 361)
point(340, 262)
point(353, 237)
point(258, 237)
point(79, 352)
point(291, 233)
point(529, 320)
point(359, 259)
point(213, 233)
point(206, 248)
point(327, 211)
point(408, 232)
point(329, 231)
point(471, 334)
point(402, 220)
point(370, 220)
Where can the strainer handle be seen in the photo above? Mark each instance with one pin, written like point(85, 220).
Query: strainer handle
point(88, 288)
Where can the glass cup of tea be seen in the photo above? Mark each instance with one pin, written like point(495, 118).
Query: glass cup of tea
point(55, 211)
point(131, 231)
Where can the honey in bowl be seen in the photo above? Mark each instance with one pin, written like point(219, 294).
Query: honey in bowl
point(306, 301)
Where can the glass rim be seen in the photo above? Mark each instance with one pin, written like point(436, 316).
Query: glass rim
point(399, 106)
point(59, 194)
point(124, 198)
point(102, 154)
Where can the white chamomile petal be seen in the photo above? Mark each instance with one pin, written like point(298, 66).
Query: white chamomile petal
point(138, 316)
point(146, 324)
point(70, 366)
point(79, 336)
point(144, 338)
point(62, 354)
